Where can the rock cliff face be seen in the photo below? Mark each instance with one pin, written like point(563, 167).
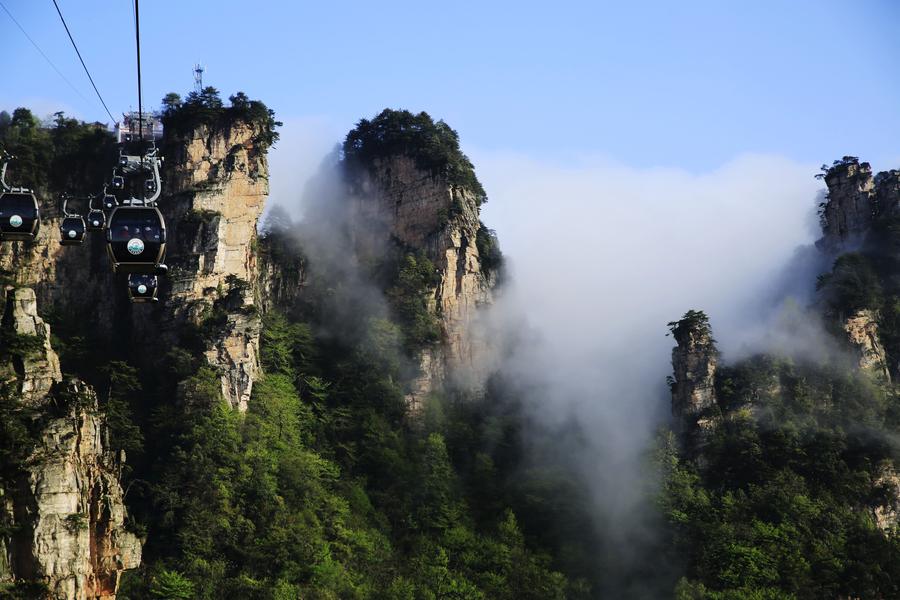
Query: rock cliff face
point(887, 193)
point(694, 363)
point(73, 280)
point(858, 215)
point(855, 202)
point(69, 502)
point(217, 181)
point(399, 201)
point(65, 506)
point(862, 332)
point(850, 204)
point(282, 274)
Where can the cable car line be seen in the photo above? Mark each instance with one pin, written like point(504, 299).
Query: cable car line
point(78, 52)
point(41, 52)
point(137, 39)
point(134, 227)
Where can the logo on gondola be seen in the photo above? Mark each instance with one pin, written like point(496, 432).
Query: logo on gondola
point(135, 246)
point(15, 221)
point(72, 233)
point(142, 289)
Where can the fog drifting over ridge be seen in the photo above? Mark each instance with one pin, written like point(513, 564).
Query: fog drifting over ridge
point(601, 257)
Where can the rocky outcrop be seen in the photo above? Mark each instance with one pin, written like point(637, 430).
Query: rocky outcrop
point(849, 208)
point(431, 373)
point(215, 183)
point(694, 363)
point(65, 504)
point(862, 333)
point(217, 179)
point(886, 510)
point(887, 193)
point(36, 371)
point(79, 543)
point(282, 272)
point(401, 202)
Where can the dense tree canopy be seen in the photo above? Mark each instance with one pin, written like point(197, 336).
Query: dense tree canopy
point(433, 145)
point(206, 107)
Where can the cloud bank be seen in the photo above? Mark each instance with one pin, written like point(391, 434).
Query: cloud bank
point(602, 256)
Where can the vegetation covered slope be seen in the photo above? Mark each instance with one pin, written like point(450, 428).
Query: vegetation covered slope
point(780, 501)
point(793, 492)
point(323, 489)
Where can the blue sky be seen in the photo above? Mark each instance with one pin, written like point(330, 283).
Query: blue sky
point(678, 84)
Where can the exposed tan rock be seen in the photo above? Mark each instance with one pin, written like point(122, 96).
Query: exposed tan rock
point(862, 332)
point(218, 183)
point(402, 202)
point(68, 507)
point(215, 184)
point(887, 513)
point(76, 518)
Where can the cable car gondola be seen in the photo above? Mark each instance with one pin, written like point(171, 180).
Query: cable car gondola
point(20, 217)
point(96, 220)
point(71, 231)
point(72, 227)
point(136, 237)
point(142, 287)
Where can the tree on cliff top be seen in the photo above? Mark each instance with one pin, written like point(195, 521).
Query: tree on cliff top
point(433, 145)
point(59, 154)
point(693, 320)
point(206, 108)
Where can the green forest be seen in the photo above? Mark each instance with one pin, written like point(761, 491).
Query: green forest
point(779, 502)
point(324, 488)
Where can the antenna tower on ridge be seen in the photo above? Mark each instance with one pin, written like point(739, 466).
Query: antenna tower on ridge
point(198, 78)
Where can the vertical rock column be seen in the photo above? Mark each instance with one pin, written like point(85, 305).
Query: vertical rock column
point(217, 181)
point(66, 507)
point(849, 208)
point(694, 362)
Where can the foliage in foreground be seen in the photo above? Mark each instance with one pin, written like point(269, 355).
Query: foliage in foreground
point(781, 505)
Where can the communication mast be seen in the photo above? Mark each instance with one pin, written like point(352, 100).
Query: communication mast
point(198, 78)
